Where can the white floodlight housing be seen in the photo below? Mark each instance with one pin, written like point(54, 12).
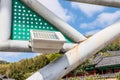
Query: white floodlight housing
point(46, 41)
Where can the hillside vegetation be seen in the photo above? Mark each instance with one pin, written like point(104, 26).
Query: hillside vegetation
point(114, 46)
point(3, 62)
point(24, 68)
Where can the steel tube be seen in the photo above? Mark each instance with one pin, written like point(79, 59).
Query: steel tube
point(15, 46)
point(54, 20)
point(24, 46)
point(76, 56)
point(5, 19)
point(5, 30)
point(112, 3)
point(67, 46)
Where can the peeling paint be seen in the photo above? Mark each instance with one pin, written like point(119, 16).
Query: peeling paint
point(80, 53)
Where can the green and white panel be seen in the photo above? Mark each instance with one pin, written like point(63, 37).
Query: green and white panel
point(25, 19)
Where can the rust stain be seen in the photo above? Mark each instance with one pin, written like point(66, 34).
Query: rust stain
point(74, 51)
point(75, 48)
point(82, 41)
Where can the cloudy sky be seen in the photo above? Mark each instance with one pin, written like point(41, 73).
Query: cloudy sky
point(87, 19)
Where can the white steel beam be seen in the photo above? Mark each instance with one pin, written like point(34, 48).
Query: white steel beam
point(112, 3)
point(15, 46)
point(24, 46)
point(5, 19)
point(65, 28)
point(76, 56)
point(5, 31)
point(67, 46)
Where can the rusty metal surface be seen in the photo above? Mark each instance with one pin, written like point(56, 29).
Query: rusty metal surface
point(76, 56)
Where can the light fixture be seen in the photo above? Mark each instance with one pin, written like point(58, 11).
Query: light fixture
point(46, 41)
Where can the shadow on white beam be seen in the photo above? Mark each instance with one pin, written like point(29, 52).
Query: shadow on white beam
point(77, 55)
point(111, 3)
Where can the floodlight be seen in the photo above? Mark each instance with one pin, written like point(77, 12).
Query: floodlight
point(46, 41)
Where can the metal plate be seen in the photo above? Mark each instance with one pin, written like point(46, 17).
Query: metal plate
point(24, 19)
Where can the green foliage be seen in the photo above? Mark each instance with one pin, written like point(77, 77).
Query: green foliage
point(26, 75)
point(114, 46)
point(91, 78)
point(20, 70)
point(81, 69)
point(118, 76)
point(3, 62)
point(3, 68)
point(73, 78)
point(24, 68)
point(105, 54)
point(111, 47)
point(53, 57)
point(85, 78)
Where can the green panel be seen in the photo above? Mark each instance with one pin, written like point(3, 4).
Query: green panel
point(24, 19)
point(109, 67)
point(89, 68)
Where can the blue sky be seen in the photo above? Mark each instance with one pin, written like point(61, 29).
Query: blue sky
point(15, 56)
point(87, 19)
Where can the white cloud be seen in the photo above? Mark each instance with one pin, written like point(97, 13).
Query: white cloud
point(92, 32)
point(56, 8)
point(103, 20)
point(88, 9)
point(1, 58)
